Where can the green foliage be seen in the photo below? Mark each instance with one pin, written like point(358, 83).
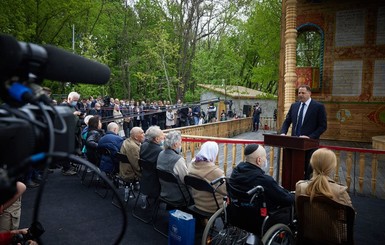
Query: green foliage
point(157, 49)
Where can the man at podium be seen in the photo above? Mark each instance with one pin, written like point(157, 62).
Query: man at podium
point(308, 119)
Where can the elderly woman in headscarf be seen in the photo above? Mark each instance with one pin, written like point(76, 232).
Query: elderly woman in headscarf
point(203, 166)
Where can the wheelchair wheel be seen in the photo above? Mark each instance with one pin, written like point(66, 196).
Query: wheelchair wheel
point(213, 226)
point(278, 234)
point(218, 232)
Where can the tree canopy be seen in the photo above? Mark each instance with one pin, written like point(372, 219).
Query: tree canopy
point(157, 49)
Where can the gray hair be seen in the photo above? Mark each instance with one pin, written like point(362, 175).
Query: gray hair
point(172, 138)
point(73, 95)
point(153, 132)
point(111, 126)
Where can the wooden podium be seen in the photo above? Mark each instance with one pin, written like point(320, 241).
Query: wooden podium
point(293, 162)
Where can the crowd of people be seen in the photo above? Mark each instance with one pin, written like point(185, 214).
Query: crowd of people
point(130, 113)
point(147, 149)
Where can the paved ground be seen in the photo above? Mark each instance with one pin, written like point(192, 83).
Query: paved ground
point(73, 213)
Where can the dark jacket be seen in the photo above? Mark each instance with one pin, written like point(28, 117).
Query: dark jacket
point(246, 176)
point(149, 183)
point(314, 122)
point(278, 200)
point(93, 137)
point(112, 142)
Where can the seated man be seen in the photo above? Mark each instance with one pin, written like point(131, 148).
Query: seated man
point(130, 147)
point(249, 174)
point(149, 152)
point(171, 160)
point(113, 142)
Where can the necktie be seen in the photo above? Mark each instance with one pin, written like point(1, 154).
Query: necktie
point(299, 121)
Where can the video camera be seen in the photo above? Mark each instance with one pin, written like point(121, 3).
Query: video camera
point(31, 128)
point(33, 233)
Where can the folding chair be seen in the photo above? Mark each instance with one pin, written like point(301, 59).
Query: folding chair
point(200, 184)
point(168, 177)
point(100, 182)
point(324, 221)
point(146, 167)
point(120, 182)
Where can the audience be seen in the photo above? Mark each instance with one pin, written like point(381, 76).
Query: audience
point(323, 162)
point(203, 166)
point(171, 160)
point(113, 142)
point(149, 151)
point(131, 172)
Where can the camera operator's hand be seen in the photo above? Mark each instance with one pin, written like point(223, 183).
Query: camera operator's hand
point(23, 232)
point(9, 237)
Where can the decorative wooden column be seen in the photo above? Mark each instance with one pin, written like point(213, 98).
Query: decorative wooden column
point(290, 77)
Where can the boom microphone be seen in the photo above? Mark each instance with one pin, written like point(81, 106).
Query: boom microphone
point(48, 62)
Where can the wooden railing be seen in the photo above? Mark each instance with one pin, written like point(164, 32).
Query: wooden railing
point(227, 128)
point(361, 170)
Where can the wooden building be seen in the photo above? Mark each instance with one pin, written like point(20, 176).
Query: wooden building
point(242, 99)
point(338, 48)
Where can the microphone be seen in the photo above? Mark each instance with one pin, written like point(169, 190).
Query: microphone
point(48, 62)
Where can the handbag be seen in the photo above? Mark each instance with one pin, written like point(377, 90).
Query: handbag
point(181, 228)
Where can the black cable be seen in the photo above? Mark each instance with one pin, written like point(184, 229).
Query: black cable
point(51, 145)
point(37, 123)
point(76, 159)
point(21, 115)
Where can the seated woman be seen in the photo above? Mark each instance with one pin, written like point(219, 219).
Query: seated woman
point(324, 162)
point(94, 134)
point(203, 166)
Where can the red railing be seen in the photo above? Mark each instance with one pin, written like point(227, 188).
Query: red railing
point(361, 170)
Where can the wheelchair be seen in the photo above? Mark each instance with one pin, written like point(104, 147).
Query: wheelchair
point(224, 227)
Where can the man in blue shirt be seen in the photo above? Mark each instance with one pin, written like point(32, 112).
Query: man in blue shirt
point(111, 141)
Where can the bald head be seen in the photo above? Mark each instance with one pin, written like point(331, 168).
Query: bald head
point(137, 134)
point(257, 157)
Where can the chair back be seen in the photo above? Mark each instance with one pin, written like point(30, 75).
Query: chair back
point(200, 184)
point(103, 151)
point(149, 181)
point(324, 221)
point(121, 157)
point(171, 178)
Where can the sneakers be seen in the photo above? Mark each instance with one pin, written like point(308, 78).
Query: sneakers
point(69, 172)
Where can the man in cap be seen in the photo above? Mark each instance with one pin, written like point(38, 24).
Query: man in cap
point(251, 173)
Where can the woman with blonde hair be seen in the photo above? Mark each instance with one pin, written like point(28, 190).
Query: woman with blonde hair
point(323, 162)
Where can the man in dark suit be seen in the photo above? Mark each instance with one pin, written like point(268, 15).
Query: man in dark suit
point(308, 119)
